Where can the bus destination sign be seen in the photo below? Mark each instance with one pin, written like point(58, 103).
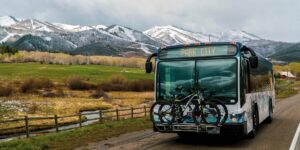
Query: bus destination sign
point(200, 51)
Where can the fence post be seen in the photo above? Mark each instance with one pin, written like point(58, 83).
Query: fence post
point(26, 126)
point(56, 123)
point(100, 116)
point(80, 120)
point(117, 113)
point(145, 109)
point(131, 112)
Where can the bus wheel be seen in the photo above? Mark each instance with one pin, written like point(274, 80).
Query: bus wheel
point(270, 118)
point(255, 121)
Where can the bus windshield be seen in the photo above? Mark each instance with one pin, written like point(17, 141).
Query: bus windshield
point(214, 75)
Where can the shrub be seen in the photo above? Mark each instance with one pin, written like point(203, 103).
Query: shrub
point(33, 84)
point(5, 49)
point(76, 83)
point(5, 91)
point(98, 93)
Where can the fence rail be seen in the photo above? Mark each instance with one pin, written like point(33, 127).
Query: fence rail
point(82, 117)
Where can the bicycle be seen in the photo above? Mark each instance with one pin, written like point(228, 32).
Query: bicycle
point(210, 99)
point(172, 112)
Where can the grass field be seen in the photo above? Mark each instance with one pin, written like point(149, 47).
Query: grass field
point(93, 73)
point(292, 67)
point(78, 137)
point(286, 88)
point(18, 103)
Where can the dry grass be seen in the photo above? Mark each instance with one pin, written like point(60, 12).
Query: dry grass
point(66, 59)
point(126, 99)
point(120, 83)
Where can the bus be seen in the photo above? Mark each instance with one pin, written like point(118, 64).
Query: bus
point(242, 79)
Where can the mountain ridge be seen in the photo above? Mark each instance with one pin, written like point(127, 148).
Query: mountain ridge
point(117, 39)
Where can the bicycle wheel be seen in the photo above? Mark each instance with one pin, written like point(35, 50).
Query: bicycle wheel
point(154, 112)
point(207, 113)
point(166, 113)
point(223, 110)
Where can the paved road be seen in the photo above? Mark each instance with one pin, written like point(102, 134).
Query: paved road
point(275, 136)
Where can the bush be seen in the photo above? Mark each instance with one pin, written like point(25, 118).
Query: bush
point(32, 84)
point(76, 83)
point(5, 91)
point(4, 49)
point(98, 93)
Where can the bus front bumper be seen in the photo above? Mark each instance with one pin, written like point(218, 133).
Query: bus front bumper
point(226, 129)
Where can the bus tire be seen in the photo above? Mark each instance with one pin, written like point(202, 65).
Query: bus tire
point(270, 118)
point(255, 123)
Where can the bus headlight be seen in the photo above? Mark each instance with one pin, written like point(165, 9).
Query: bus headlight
point(236, 117)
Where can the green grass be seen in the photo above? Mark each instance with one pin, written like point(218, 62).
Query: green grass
point(79, 137)
point(286, 88)
point(94, 73)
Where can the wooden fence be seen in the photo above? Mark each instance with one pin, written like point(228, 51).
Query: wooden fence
point(99, 116)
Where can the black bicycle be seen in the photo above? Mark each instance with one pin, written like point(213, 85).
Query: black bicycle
point(208, 111)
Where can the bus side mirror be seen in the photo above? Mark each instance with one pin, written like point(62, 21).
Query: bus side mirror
point(253, 61)
point(148, 67)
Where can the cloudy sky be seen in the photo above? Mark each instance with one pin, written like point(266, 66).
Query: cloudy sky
point(271, 19)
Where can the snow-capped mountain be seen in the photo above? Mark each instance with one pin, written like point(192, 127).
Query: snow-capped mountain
point(33, 34)
point(8, 20)
point(131, 35)
point(236, 35)
point(78, 28)
point(99, 26)
point(171, 35)
point(72, 28)
point(36, 26)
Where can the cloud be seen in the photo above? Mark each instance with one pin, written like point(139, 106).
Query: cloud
point(278, 20)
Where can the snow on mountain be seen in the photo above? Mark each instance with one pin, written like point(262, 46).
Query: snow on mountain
point(122, 32)
point(8, 20)
point(236, 35)
point(117, 40)
point(131, 35)
point(72, 28)
point(99, 26)
point(7, 36)
point(171, 35)
point(36, 25)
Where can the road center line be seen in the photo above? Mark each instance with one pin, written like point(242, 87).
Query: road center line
point(295, 139)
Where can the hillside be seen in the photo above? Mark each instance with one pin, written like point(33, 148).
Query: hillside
point(289, 54)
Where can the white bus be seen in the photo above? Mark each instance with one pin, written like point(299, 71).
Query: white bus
point(239, 77)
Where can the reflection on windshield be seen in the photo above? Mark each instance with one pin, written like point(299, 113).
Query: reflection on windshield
point(217, 75)
point(172, 75)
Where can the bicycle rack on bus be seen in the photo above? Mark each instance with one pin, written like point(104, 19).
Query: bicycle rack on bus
point(188, 127)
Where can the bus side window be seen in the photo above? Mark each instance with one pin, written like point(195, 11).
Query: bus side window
point(247, 76)
point(244, 81)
